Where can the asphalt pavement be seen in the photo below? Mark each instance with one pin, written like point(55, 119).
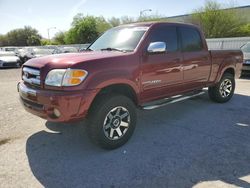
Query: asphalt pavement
point(195, 143)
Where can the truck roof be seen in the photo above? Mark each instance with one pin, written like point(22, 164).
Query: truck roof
point(149, 24)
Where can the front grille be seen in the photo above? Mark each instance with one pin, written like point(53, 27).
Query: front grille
point(31, 76)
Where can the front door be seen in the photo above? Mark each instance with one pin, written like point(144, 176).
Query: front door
point(162, 73)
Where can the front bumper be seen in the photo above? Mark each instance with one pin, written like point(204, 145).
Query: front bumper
point(72, 105)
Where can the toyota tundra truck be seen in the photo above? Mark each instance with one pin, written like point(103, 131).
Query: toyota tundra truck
point(142, 65)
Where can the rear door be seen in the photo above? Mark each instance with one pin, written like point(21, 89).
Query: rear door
point(162, 73)
point(196, 58)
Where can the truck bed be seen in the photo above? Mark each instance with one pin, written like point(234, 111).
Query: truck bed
point(223, 58)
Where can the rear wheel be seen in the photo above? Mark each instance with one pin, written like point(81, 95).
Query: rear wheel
point(112, 121)
point(224, 90)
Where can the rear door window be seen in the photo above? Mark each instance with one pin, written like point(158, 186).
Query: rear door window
point(191, 39)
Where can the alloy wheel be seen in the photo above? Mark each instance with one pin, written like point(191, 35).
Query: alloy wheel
point(226, 88)
point(116, 123)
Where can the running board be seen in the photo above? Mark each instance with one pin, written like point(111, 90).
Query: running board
point(171, 100)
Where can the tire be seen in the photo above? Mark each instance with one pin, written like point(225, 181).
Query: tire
point(111, 121)
point(223, 91)
point(25, 59)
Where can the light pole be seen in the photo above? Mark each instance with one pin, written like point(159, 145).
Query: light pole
point(49, 30)
point(142, 11)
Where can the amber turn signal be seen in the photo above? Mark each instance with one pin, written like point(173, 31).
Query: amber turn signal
point(78, 73)
point(75, 81)
point(74, 77)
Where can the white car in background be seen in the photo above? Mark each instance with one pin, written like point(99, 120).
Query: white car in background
point(10, 48)
point(66, 49)
point(27, 53)
point(40, 52)
point(9, 59)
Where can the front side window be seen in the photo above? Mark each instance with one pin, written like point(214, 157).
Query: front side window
point(167, 34)
point(191, 39)
point(120, 38)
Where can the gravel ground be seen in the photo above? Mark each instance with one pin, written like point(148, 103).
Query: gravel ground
point(196, 143)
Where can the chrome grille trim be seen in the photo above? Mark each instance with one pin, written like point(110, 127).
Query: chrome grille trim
point(31, 71)
point(31, 80)
point(31, 76)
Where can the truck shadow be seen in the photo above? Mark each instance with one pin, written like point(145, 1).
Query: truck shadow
point(180, 145)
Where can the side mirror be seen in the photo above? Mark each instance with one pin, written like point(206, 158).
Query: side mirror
point(157, 47)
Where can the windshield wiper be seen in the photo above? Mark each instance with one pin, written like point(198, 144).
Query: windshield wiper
point(113, 49)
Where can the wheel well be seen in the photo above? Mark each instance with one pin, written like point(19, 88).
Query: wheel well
point(230, 71)
point(122, 89)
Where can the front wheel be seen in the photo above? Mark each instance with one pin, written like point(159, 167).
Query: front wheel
point(112, 121)
point(224, 90)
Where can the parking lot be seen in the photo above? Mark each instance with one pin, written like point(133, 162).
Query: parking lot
point(196, 143)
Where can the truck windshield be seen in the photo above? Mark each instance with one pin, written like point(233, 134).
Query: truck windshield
point(119, 39)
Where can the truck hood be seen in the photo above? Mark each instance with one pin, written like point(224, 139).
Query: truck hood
point(70, 59)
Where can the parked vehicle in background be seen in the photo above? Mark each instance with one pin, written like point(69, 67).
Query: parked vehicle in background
point(246, 54)
point(145, 65)
point(24, 54)
point(65, 49)
point(49, 47)
point(9, 59)
point(84, 47)
point(40, 52)
point(27, 53)
point(10, 48)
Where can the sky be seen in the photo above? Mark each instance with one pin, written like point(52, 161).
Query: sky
point(44, 14)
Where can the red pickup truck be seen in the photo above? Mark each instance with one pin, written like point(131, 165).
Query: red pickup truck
point(145, 65)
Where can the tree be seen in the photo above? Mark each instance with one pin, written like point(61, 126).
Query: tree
point(114, 21)
point(127, 20)
point(154, 17)
point(3, 40)
point(26, 36)
point(83, 30)
point(32, 36)
point(59, 38)
point(77, 18)
point(102, 25)
point(216, 21)
point(245, 30)
point(45, 42)
point(33, 40)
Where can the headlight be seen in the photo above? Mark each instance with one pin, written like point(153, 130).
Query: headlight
point(65, 77)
